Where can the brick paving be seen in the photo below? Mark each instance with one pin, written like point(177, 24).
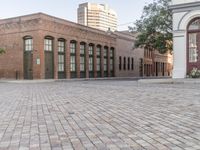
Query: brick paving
point(101, 115)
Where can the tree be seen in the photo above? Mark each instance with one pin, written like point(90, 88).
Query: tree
point(155, 27)
point(2, 51)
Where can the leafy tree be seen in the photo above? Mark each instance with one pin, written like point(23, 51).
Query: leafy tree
point(2, 51)
point(155, 27)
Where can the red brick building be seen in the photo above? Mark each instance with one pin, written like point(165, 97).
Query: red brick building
point(40, 46)
point(157, 64)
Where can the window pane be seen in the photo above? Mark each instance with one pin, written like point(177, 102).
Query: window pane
point(73, 48)
point(98, 64)
point(111, 64)
point(98, 51)
point(48, 45)
point(61, 46)
point(28, 44)
point(72, 63)
point(60, 67)
point(193, 47)
point(105, 52)
point(105, 64)
point(195, 25)
point(111, 53)
point(82, 49)
point(90, 50)
point(90, 64)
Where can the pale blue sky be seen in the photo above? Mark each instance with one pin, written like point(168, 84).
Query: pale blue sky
point(127, 10)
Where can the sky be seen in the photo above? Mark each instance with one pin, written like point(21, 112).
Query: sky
point(128, 11)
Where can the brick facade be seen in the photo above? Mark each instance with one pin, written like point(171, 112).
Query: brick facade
point(38, 27)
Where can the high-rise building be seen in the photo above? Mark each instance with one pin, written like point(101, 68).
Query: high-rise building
point(98, 16)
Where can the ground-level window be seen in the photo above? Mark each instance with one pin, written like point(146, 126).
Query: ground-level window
point(124, 63)
point(132, 63)
point(73, 63)
point(98, 59)
point(61, 55)
point(120, 63)
point(73, 56)
point(82, 57)
point(91, 60)
point(128, 63)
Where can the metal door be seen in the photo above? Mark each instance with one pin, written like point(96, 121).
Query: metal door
point(49, 65)
point(28, 65)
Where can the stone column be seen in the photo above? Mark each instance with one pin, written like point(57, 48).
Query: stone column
point(179, 47)
point(38, 56)
point(41, 56)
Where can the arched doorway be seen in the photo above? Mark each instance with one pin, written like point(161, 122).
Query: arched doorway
point(28, 57)
point(49, 59)
point(193, 45)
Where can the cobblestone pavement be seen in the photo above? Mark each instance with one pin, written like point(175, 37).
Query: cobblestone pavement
point(99, 115)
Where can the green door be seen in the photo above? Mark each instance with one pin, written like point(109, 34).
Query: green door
point(49, 65)
point(28, 65)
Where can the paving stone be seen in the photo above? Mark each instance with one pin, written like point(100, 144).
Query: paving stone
point(101, 115)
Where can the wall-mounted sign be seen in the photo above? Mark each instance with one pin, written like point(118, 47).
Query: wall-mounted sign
point(38, 61)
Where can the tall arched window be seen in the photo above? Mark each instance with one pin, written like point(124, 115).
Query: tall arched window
point(193, 44)
point(98, 60)
point(112, 62)
point(82, 59)
point(28, 43)
point(28, 57)
point(105, 54)
point(73, 59)
point(61, 58)
point(91, 60)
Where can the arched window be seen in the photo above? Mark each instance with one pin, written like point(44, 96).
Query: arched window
point(193, 36)
point(61, 58)
point(28, 43)
point(28, 57)
point(105, 54)
point(112, 62)
point(73, 59)
point(194, 24)
point(82, 59)
point(48, 44)
point(98, 60)
point(91, 60)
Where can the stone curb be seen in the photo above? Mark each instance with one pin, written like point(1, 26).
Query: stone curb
point(169, 81)
point(83, 79)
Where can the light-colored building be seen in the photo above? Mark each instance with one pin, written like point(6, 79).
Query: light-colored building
point(98, 16)
point(186, 36)
point(139, 62)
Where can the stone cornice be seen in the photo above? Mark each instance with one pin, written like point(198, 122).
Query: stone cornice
point(185, 7)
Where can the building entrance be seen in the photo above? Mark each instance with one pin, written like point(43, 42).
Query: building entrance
point(193, 46)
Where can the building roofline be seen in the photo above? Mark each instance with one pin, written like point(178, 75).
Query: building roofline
point(41, 15)
point(184, 5)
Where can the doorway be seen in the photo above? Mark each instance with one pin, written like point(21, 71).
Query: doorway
point(28, 58)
